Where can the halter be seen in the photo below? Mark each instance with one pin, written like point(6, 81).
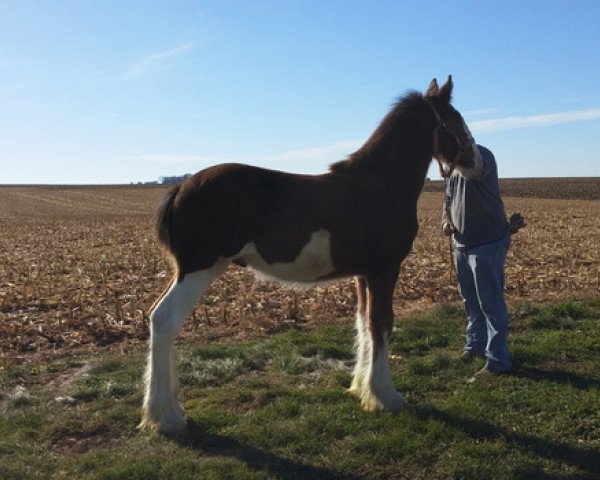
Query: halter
point(462, 148)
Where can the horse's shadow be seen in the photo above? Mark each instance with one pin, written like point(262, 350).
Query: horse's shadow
point(254, 458)
point(587, 460)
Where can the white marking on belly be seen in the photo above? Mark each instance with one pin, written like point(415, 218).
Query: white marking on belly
point(313, 261)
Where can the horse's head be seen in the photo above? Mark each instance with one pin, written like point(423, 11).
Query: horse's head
point(452, 140)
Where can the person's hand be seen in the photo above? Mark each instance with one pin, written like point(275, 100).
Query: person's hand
point(516, 223)
point(448, 229)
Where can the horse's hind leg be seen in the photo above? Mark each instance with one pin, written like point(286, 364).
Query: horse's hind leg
point(161, 409)
point(378, 389)
point(363, 340)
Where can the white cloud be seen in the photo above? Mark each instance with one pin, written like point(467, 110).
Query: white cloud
point(481, 112)
point(513, 123)
point(325, 153)
point(154, 62)
point(317, 158)
point(171, 158)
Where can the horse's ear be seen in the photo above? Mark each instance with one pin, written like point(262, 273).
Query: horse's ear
point(445, 92)
point(433, 88)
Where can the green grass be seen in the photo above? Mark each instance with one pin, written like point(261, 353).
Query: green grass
point(275, 408)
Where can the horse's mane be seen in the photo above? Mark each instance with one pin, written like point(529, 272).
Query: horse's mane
point(399, 118)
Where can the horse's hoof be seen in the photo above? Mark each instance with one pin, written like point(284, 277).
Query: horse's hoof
point(391, 401)
point(354, 391)
point(395, 402)
point(170, 424)
point(173, 426)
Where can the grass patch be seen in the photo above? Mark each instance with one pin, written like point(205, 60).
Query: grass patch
point(276, 408)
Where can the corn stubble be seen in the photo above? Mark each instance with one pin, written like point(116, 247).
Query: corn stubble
point(80, 267)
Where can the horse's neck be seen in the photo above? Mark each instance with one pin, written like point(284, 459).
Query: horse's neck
point(412, 180)
point(408, 169)
point(401, 182)
point(400, 159)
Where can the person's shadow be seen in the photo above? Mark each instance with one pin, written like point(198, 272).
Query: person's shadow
point(558, 376)
point(587, 460)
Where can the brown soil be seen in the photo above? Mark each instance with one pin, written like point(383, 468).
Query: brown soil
point(80, 267)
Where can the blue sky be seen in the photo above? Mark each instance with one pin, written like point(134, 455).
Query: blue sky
point(118, 91)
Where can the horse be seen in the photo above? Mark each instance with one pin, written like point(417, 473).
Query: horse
point(357, 220)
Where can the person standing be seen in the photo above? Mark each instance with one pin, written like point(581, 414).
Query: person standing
point(474, 214)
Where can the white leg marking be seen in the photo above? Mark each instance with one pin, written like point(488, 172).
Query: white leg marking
point(363, 354)
point(378, 391)
point(161, 409)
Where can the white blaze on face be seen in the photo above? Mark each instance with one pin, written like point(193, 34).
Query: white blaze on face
point(477, 168)
point(312, 263)
point(466, 130)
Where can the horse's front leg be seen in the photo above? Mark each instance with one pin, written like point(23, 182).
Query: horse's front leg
point(363, 341)
point(378, 390)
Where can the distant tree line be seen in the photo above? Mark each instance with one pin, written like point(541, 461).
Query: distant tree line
point(171, 180)
point(174, 179)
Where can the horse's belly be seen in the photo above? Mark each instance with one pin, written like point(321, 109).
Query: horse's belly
point(312, 263)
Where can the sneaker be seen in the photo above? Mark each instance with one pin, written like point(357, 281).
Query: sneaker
point(468, 356)
point(488, 371)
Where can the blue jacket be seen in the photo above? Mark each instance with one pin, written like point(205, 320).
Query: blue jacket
point(473, 203)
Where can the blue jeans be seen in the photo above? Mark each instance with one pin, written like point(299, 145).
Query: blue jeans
point(480, 273)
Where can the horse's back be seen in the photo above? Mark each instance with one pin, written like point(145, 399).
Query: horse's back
point(298, 228)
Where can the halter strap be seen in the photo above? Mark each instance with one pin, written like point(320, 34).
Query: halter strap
point(443, 172)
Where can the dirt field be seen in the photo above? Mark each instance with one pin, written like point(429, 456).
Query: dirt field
point(79, 267)
point(550, 188)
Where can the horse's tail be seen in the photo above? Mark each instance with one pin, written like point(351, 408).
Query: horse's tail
point(163, 219)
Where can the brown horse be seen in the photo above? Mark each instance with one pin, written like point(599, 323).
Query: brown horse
point(359, 219)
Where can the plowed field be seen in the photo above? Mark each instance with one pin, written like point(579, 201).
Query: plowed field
point(79, 267)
